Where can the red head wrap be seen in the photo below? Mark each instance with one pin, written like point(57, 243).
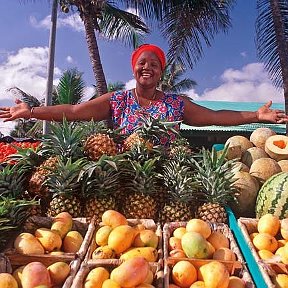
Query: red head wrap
point(149, 47)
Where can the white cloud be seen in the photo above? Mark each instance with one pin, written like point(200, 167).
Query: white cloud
point(72, 21)
point(249, 84)
point(69, 59)
point(243, 54)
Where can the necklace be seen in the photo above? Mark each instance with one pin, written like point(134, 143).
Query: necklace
point(150, 100)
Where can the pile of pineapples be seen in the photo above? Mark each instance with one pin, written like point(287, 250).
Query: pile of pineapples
point(86, 169)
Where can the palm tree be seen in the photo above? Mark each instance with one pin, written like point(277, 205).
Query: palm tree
point(70, 90)
point(112, 86)
point(272, 42)
point(171, 82)
point(112, 22)
point(186, 24)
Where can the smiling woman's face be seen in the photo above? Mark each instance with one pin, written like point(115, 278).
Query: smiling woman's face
point(147, 69)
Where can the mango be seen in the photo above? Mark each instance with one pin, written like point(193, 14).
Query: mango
point(214, 274)
point(17, 274)
point(58, 271)
point(62, 223)
point(195, 245)
point(131, 273)
point(121, 238)
point(35, 274)
point(149, 253)
point(113, 218)
point(146, 238)
point(7, 281)
point(72, 242)
point(110, 284)
point(103, 252)
point(96, 278)
point(102, 234)
point(26, 243)
point(49, 239)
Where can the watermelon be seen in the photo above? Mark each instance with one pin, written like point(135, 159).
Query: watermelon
point(273, 196)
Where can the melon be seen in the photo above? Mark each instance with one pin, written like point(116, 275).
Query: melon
point(276, 147)
point(238, 140)
point(262, 169)
point(284, 165)
point(273, 196)
point(252, 154)
point(259, 136)
point(248, 188)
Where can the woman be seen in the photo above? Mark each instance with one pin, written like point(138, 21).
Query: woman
point(125, 107)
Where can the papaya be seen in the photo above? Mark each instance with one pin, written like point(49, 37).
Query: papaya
point(113, 218)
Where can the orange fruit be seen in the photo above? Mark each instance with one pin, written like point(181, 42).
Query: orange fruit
point(236, 282)
point(265, 241)
point(265, 254)
point(184, 273)
point(200, 226)
point(269, 223)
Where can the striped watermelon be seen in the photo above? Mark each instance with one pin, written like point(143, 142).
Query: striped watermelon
point(273, 196)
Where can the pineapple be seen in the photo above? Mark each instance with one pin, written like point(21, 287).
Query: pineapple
point(12, 185)
point(65, 188)
point(64, 142)
point(216, 177)
point(100, 182)
point(180, 185)
point(149, 133)
point(13, 214)
point(140, 201)
point(180, 149)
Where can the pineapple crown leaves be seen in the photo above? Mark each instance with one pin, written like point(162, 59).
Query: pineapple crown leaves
point(216, 175)
point(65, 140)
point(100, 177)
point(15, 211)
point(26, 158)
point(141, 176)
point(179, 180)
point(63, 179)
point(12, 181)
point(151, 128)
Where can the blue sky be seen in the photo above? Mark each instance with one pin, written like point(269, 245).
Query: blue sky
point(228, 71)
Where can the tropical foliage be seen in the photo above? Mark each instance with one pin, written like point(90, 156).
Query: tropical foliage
point(272, 41)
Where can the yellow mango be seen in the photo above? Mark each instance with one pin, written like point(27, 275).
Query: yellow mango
point(149, 253)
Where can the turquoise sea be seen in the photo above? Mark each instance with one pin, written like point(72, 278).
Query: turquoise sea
point(238, 106)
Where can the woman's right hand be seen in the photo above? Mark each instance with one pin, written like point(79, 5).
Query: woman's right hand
point(20, 110)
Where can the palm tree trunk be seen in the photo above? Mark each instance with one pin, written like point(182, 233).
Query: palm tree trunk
point(282, 48)
point(97, 67)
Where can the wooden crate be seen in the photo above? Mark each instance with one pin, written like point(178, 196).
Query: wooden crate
point(267, 268)
point(148, 223)
point(85, 227)
point(237, 268)
point(110, 264)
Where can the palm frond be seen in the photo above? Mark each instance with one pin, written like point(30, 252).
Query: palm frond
point(117, 24)
point(272, 37)
point(25, 97)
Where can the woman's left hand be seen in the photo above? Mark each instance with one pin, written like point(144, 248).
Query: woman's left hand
point(266, 114)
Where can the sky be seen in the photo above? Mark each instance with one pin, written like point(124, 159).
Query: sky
point(228, 71)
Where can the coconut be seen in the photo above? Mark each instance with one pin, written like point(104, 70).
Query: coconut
point(242, 166)
point(264, 168)
point(259, 136)
point(248, 188)
point(253, 153)
point(233, 152)
point(241, 141)
point(284, 165)
point(276, 147)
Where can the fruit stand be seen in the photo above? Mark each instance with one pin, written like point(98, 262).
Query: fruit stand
point(128, 207)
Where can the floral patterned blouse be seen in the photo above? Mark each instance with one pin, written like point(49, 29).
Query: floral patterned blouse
point(125, 111)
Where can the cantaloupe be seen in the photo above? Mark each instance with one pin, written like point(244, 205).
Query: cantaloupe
point(259, 136)
point(238, 140)
point(262, 169)
point(252, 154)
point(276, 147)
point(284, 165)
point(248, 188)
